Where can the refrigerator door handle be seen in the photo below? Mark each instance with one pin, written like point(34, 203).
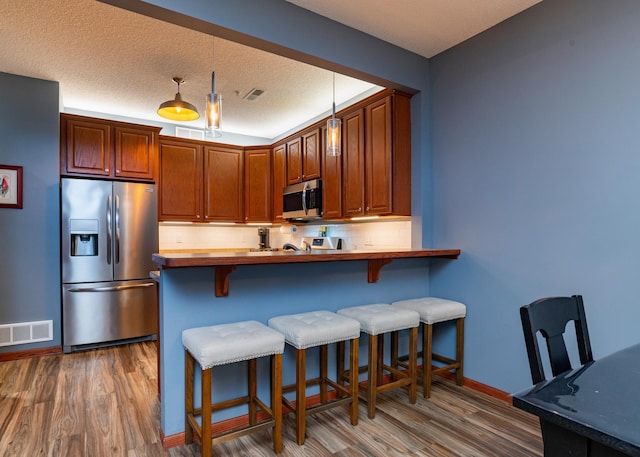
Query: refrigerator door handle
point(112, 288)
point(117, 229)
point(109, 234)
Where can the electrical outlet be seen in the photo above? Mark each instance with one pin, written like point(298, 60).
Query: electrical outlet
point(178, 237)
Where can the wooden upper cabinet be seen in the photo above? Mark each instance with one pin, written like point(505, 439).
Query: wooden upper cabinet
point(353, 164)
point(98, 147)
point(279, 180)
point(303, 157)
point(376, 172)
point(87, 149)
point(257, 185)
point(180, 188)
point(331, 183)
point(294, 161)
point(311, 155)
point(135, 153)
point(223, 184)
point(378, 160)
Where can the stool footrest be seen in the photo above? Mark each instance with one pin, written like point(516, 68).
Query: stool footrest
point(237, 433)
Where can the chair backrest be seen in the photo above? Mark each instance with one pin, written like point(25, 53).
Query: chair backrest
point(550, 316)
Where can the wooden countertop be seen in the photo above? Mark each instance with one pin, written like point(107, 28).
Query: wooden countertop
point(226, 262)
point(212, 259)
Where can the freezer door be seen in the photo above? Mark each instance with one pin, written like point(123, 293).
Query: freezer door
point(108, 311)
point(135, 229)
point(86, 230)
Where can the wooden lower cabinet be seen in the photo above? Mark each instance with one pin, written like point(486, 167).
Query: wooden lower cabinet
point(257, 185)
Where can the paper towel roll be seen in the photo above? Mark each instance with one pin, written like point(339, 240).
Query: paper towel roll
point(291, 229)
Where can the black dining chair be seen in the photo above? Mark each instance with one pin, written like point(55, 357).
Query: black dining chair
point(550, 317)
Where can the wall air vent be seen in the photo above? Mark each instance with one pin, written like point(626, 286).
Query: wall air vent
point(192, 134)
point(253, 95)
point(26, 332)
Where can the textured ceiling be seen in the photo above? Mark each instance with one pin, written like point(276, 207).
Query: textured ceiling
point(426, 27)
point(109, 60)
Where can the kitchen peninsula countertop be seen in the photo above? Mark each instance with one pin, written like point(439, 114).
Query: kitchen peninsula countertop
point(226, 262)
point(213, 259)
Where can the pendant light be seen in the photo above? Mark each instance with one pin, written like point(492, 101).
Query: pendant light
point(334, 128)
point(177, 109)
point(213, 110)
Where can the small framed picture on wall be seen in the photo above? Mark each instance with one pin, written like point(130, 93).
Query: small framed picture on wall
point(10, 187)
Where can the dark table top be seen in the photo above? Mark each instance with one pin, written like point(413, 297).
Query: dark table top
point(600, 400)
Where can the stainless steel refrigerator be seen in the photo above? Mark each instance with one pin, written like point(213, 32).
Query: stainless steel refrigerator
point(109, 232)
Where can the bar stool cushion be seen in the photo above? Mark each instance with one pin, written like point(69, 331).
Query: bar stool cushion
point(315, 328)
point(229, 343)
point(381, 318)
point(433, 310)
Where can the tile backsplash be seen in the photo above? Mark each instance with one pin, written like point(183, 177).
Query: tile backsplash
point(369, 235)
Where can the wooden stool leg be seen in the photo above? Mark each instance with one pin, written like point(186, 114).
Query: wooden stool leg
point(252, 389)
point(394, 353)
point(413, 362)
point(188, 396)
point(323, 373)
point(301, 392)
point(354, 350)
point(276, 400)
point(427, 359)
point(380, 375)
point(340, 366)
point(460, 351)
point(373, 376)
point(205, 440)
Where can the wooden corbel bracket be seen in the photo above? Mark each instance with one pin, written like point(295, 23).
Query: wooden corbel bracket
point(222, 279)
point(375, 266)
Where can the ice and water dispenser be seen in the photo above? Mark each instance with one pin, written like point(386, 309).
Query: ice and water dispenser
point(84, 237)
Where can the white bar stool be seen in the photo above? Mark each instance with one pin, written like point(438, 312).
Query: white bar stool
point(376, 320)
point(224, 344)
point(320, 328)
point(434, 310)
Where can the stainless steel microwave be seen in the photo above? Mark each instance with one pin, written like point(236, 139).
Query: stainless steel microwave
point(303, 201)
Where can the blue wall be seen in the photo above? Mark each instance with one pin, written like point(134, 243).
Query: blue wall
point(30, 237)
point(536, 156)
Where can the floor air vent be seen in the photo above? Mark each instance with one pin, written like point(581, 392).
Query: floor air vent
point(25, 332)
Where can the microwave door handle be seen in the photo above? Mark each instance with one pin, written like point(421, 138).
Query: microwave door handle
point(117, 253)
point(304, 199)
point(109, 234)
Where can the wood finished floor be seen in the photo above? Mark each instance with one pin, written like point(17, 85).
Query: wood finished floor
point(103, 403)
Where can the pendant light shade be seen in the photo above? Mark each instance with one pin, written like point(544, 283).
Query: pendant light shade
point(178, 109)
point(334, 128)
point(213, 112)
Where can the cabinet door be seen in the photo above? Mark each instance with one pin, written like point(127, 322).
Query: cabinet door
point(331, 183)
point(223, 176)
point(311, 155)
point(180, 181)
point(136, 154)
point(279, 180)
point(378, 158)
point(257, 188)
point(353, 164)
point(88, 148)
point(294, 161)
